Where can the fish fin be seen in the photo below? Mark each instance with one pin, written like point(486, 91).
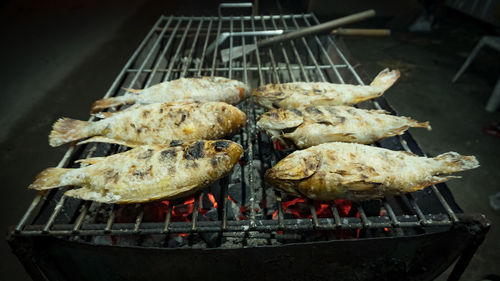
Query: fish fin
point(135, 91)
point(90, 161)
point(434, 180)
point(49, 178)
point(340, 137)
point(421, 125)
point(397, 131)
point(362, 185)
point(87, 194)
point(108, 140)
point(66, 130)
point(379, 111)
point(453, 162)
point(101, 104)
point(385, 79)
point(295, 168)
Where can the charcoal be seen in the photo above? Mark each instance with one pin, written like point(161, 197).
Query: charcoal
point(176, 242)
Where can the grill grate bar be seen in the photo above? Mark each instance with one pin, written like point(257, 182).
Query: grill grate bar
point(391, 213)
point(79, 220)
point(296, 53)
point(168, 218)
point(194, 219)
point(203, 53)
point(54, 214)
point(191, 51)
point(251, 68)
point(214, 54)
point(364, 220)
point(179, 48)
point(309, 52)
point(162, 54)
point(111, 219)
point(325, 54)
point(285, 55)
point(138, 219)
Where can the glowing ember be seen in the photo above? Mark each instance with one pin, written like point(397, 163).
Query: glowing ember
point(212, 199)
point(275, 215)
point(279, 146)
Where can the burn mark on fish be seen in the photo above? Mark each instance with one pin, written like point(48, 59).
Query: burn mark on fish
point(273, 114)
point(111, 176)
point(341, 119)
point(341, 172)
point(313, 110)
point(220, 145)
point(296, 111)
point(183, 117)
point(167, 154)
point(194, 151)
point(219, 119)
point(161, 110)
point(317, 91)
point(132, 125)
point(145, 113)
point(214, 161)
point(142, 173)
point(176, 143)
point(145, 155)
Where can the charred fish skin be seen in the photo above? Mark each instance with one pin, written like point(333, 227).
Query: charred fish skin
point(315, 125)
point(298, 94)
point(146, 173)
point(204, 89)
point(154, 124)
point(360, 172)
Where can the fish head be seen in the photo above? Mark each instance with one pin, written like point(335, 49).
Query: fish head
point(280, 119)
point(290, 171)
point(268, 96)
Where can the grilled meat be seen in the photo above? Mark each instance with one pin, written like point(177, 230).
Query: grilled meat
point(154, 124)
point(320, 124)
point(361, 172)
point(293, 95)
point(146, 173)
point(202, 89)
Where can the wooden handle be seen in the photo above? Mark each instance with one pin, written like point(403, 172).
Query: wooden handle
point(318, 28)
point(362, 32)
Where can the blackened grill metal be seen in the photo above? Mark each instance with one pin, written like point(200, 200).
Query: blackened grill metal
point(176, 47)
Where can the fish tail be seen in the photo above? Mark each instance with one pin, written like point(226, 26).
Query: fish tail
point(416, 124)
point(102, 104)
point(67, 130)
point(451, 162)
point(425, 124)
point(49, 178)
point(385, 79)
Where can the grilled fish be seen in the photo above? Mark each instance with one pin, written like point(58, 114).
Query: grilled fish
point(293, 95)
point(156, 123)
point(146, 173)
point(203, 89)
point(315, 125)
point(361, 172)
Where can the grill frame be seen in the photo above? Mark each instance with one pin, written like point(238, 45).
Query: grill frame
point(27, 234)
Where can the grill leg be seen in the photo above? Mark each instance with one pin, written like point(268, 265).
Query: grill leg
point(478, 231)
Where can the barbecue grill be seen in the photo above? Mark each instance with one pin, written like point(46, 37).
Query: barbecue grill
point(240, 228)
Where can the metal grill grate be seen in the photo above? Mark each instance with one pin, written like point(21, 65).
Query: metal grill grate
point(177, 47)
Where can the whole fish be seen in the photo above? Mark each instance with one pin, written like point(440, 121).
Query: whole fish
point(297, 94)
point(146, 173)
point(157, 123)
point(202, 89)
point(361, 172)
point(315, 125)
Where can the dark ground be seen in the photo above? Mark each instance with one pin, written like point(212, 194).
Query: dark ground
point(58, 60)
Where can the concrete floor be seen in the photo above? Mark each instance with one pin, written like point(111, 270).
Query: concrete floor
point(61, 59)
